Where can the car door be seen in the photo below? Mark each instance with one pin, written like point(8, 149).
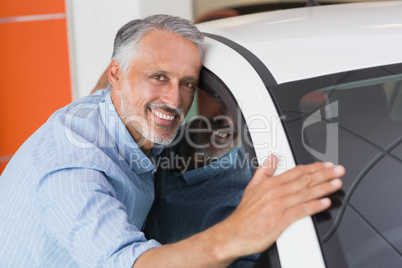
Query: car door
point(353, 118)
point(245, 79)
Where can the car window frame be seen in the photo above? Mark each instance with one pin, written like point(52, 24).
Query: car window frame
point(280, 95)
point(270, 257)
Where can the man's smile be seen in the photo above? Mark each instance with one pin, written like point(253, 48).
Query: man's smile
point(163, 115)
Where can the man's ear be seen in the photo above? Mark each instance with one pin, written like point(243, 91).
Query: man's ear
point(114, 75)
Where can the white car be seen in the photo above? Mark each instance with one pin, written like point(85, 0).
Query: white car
point(320, 84)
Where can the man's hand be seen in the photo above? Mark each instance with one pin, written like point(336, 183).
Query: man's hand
point(269, 205)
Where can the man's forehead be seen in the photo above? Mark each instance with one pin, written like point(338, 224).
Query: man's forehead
point(166, 53)
point(170, 68)
point(158, 38)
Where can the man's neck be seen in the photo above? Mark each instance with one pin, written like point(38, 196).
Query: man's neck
point(144, 144)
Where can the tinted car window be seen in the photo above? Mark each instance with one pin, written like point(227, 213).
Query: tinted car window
point(354, 119)
point(206, 170)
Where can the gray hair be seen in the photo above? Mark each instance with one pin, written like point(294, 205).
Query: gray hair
point(128, 37)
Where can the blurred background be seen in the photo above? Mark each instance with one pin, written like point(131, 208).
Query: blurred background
point(54, 51)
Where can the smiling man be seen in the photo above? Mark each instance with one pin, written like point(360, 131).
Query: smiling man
point(157, 90)
point(78, 191)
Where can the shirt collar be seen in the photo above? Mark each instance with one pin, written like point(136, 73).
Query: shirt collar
point(125, 144)
point(206, 172)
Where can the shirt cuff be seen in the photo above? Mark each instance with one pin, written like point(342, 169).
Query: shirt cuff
point(131, 253)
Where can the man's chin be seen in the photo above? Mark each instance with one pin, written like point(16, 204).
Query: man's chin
point(162, 139)
point(161, 135)
point(159, 140)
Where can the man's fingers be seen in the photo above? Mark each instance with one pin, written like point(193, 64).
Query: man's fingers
point(312, 179)
point(306, 195)
point(306, 175)
point(308, 187)
point(322, 175)
point(301, 170)
point(270, 205)
point(307, 209)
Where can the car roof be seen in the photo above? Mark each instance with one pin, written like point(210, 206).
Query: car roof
point(307, 42)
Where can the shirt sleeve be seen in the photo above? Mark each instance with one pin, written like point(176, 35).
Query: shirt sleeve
point(79, 209)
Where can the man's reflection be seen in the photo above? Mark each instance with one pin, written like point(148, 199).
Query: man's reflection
point(210, 135)
point(221, 134)
point(200, 193)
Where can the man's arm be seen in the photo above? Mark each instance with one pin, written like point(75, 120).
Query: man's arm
point(269, 205)
point(81, 212)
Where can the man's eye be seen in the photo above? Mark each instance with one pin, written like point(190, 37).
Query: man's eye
point(159, 77)
point(190, 85)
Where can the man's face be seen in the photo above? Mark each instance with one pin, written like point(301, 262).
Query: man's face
point(213, 133)
point(158, 89)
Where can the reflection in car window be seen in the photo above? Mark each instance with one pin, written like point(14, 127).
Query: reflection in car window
point(207, 172)
point(356, 123)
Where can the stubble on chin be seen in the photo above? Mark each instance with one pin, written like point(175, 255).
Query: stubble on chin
point(149, 129)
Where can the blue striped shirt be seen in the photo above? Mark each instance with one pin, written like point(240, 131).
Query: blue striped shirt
point(77, 192)
point(190, 202)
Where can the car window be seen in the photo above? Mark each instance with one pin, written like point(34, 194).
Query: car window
point(354, 119)
point(207, 168)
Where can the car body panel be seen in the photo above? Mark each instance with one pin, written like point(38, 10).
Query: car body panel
point(299, 43)
point(296, 45)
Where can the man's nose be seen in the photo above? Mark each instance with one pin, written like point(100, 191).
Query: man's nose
point(172, 96)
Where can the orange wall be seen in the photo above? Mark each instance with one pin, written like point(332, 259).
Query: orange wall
point(34, 74)
point(13, 8)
